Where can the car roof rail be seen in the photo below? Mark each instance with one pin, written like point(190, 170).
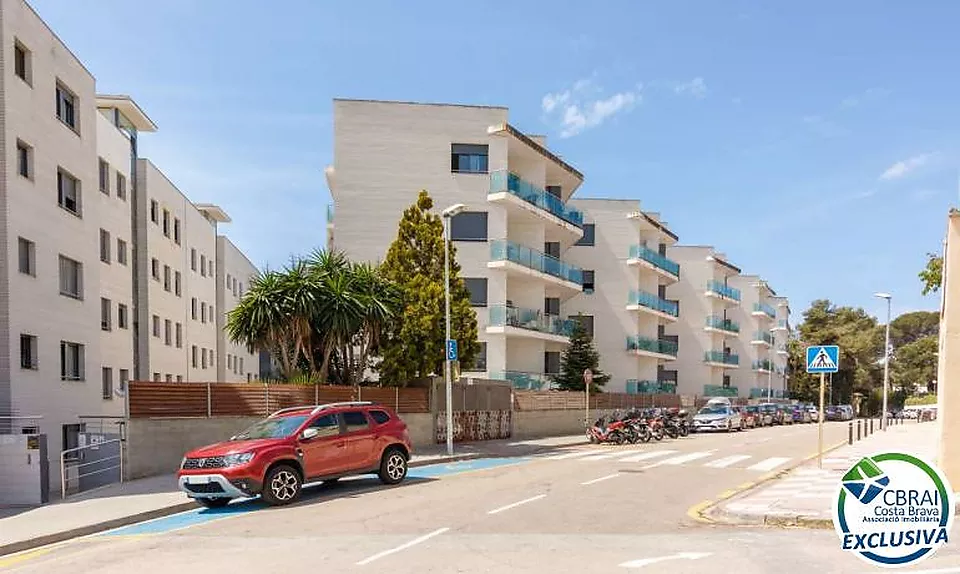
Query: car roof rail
point(317, 408)
point(290, 410)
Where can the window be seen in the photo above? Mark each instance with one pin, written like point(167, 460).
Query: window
point(154, 211)
point(167, 332)
point(179, 335)
point(121, 251)
point(166, 278)
point(469, 226)
point(176, 284)
point(24, 160)
point(193, 356)
point(588, 280)
point(327, 425)
point(554, 190)
point(176, 231)
point(179, 378)
point(156, 326)
point(166, 223)
point(551, 306)
point(193, 259)
point(203, 312)
point(587, 322)
point(468, 158)
point(106, 312)
point(155, 268)
point(124, 379)
point(68, 192)
point(480, 362)
point(122, 316)
point(28, 256)
point(168, 378)
point(21, 62)
point(477, 286)
point(229, 361)
point(28, 352)
point(193, 308)
point(71, 361)
point(235, 286)
point(552, 248)
point(380, 417)
point(355, 421)
point(71, 440)
point(106, 375)
point(662, 249)
point(203, 358)
point(156, 377)
point(104, 246)
point(551, 362)
point(67, 106)
point(589, 238)
point(210, 271)
point(104, 177)
point(121, 187)
point(241, 364)
point(71, 278)
point(203, 265)
point(241, 289)
point(228, 281)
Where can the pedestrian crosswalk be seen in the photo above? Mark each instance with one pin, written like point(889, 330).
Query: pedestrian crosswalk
point(656, 457)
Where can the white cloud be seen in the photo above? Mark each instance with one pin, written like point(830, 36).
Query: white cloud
point(581, 108)
point(695, 87)
point(902, 168)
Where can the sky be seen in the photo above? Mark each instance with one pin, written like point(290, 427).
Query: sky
point(814, 143)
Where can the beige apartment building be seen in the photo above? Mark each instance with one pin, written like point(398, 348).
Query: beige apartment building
point(236, 364)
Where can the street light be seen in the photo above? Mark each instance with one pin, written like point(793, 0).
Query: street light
point(447, 214)
point(886, 360)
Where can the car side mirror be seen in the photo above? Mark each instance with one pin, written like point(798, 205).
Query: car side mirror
point(310, 433)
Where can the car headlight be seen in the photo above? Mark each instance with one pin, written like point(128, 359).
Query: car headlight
point(237, 459)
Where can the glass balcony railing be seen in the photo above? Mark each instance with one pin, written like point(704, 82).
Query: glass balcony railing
point(635, 387)
point(721, 357)
point(782, 348)
point(503, 250)
point(763, 393)
point(651, 256)
point(661, 346)
point(529, 319)
point(782, 324)
point(503, 180)
point(329, 213)
point(721, 289)
point(763, 365)
point(523, 381)
point(763, 336)
point(651, 301)
point(719, 391)
point(765, 309)
point(728, 325)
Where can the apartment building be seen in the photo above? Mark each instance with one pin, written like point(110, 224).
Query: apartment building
point(625, 302)
point(235, 363)
point(757, 315)
point(512, 232)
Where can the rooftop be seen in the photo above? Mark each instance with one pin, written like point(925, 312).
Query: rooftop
point(129, 108)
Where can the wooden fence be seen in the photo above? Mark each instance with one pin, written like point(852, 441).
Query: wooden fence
point(566, 400)
point(151, 399)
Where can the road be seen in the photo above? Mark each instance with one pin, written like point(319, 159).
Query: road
point(593, 508)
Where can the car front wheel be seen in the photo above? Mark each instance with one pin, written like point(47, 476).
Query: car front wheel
point(393, 466)
point(282, 485)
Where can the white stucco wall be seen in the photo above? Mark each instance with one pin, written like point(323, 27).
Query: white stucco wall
point(234, 273)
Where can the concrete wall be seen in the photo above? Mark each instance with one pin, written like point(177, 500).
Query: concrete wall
point(948, 371)
point(535, 424)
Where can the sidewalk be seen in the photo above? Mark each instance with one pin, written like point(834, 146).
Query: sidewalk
point(148, 498)
point(804, 495)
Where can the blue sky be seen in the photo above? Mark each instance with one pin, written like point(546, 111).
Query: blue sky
point(816, 143)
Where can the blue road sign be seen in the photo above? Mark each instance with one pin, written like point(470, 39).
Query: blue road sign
point(823, 359)
point(451, 350)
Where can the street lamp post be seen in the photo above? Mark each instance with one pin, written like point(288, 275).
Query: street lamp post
point(886, 360)
point(448, 214)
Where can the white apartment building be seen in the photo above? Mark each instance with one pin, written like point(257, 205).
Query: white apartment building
point(512, 236)
point(757, 315)
point(235, 363)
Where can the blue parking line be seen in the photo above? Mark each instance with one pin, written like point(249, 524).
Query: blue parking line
point(205, 515)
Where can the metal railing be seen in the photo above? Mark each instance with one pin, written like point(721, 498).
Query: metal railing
point(763, 336)
point(651, 301)
point(637, 387)
point(764, 365)
point(530, 319)
point(720, 288)
point(721, 357)
point(523, 381)
point(765, 309)
point(661, 346)
point(505, 250)
point(78, 463)
point(728, 325)
point(719, 391)
point(504, 181)
point(654, 258)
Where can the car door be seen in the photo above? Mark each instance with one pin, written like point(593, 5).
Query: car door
point(326, 453)
point(359, 438)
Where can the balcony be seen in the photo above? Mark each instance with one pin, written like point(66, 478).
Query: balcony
point(781, 325)
point(649, 303)
point(649, 347)
point(782, 349)
point(762, 309)
point(718, 324)
point(721, 359)
point(763, 366)
point(523, 381)
point(509, 188)
point(635, 387)
point(646, 257)
point(523, 261)
point(532, 323)
point(723, 292)
point(329, 214)
point(764, 393)
point(762, 338)
point(719, 391)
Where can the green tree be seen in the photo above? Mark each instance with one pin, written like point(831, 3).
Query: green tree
point(910, 327)
point(932, 274)
point(412, 345)
point(915, 364)
point(580, 355)
point(261, 320)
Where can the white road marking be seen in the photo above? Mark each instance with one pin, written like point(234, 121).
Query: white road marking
point(516, 504)
point(679, 556)
point(403, 546)
point(647, 455)
point(678, 460)
point(602, 478)
point(727, 461)
point(610, 454)
point(769, 464)
point(570, 455)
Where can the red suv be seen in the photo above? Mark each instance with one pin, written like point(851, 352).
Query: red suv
point(274, 457)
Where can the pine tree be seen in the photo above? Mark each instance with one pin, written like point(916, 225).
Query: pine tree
point(577, 357)
point(413, 344)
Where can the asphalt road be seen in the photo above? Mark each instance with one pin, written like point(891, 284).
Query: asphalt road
point(587, 509)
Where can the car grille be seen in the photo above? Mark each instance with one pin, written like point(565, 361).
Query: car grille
point(212, 462)
point(208, 488)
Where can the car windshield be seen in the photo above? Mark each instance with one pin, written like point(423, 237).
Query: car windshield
point(279, 427)
point(713, 410)
point(753, 409)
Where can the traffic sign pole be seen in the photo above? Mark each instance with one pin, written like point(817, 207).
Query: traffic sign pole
point(820, 424)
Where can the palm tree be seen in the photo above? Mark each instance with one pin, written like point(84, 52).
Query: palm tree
point(260, 320)
point(379, 302)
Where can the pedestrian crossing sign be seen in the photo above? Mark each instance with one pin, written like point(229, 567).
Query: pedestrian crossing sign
point(823, 359)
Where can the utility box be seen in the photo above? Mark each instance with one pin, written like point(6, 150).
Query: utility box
point(24, 470)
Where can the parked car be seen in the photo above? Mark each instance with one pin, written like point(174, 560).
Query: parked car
point(786, 414)
point(277, 455)
point(717, 416)
point(762, 417)
point(749, 418)
point(846, 412)
point(814, 411)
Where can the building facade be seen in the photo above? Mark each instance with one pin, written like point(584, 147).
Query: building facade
point(235, 363)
